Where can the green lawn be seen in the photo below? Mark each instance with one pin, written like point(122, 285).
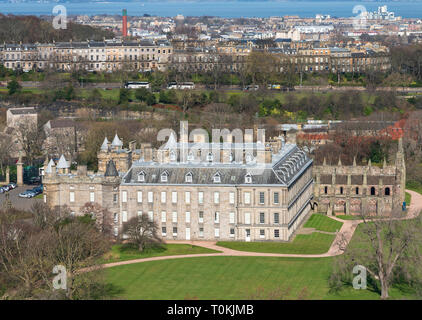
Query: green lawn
point(408, 198)
point(230, 278)
point(313, 243)
point(322, 222)
point(349, 217)
point(121, 252)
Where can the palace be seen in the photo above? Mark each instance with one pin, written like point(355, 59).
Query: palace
point(249, 191)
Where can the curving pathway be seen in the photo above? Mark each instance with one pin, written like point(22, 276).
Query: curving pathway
point(341, 241)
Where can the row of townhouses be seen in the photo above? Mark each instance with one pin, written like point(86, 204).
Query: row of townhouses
point(112, 55)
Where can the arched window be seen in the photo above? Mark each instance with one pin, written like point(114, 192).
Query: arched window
point(357, 190)
point(325, 190)
point(190, 156)
point(372, 191)
point(387, 191)
point(249, 157)
point(172, 155)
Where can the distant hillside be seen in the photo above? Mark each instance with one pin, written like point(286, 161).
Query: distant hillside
point(30, 29)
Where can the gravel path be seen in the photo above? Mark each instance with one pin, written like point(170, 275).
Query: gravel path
point(342, 239)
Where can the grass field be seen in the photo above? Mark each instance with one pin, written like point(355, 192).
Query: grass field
point(349, 217)
point(230, 278)
point(313, 243)
point(121, 252)
point(408, 198)
point(323, 223)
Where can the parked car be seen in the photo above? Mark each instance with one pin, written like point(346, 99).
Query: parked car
point(12, 185)
point(6, 187)
point(2, 190)
point(24, 194)
point(38, 190)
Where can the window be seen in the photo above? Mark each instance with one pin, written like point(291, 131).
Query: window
point(276, 198)
point(201, 216)
point(92, 196)
point(200, 197)
point(247, 218)
point(174, 217)
point(248, 178)
point(357, 190)
point(372, 191)
point(163, 216)
point(72, 196)
point(187, 197)
point(387, 191)
point(190, 158)
point(187, 216)
point(163, 231)
point(124, 216)
point(276, 233)
point(115, 198)
point(151, 216)
point(210, 156)
point(116, 231)
point(262, 233)
point(231, 217)
point(116, 218)
point(231, 232)
point(247, 196)
point(150, 197)
point(164, 177)
point(276, 218)
point(139, 213)
point(217, 178)
point(231, 197)
point(325, 190)
point(124, 196)
point(174, 231)
point(174, 197)
point(217, 232)
point(163, 196)
point(216, 197)
point(261, 197)
point(261, 217)
point(341, 190)
point(201, 232)
point(172, 156)
point(141, 177)
point(217, 217)
point(188, 177)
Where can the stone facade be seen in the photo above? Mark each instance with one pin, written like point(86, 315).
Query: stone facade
point(263, 197)
point(354, 190)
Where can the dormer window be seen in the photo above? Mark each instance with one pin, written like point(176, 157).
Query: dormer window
point(164, 177)
point(210, 157)
point(141, 177)
point(188, 177)
point(248, 178)
point(217, 178)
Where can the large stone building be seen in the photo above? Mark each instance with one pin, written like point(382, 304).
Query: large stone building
point(369, 189)
point(248, 191)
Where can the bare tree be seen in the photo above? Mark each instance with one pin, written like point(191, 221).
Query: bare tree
point(142, 232)
point(30, 138)
point(388, 248)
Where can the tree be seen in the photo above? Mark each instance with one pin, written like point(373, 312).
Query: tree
point(388, 248)
point(142, 232)
point(124, 95)
point(13, 86)
point(30, 138)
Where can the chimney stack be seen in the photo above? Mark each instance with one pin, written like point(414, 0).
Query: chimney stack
point(124, 23)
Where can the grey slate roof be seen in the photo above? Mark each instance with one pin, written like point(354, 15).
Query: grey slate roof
point(111, 170)
point(280, 172)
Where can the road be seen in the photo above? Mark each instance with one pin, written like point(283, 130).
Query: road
point(341, 241)
point(19, 203)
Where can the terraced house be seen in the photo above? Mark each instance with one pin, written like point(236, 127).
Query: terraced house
point(251, 191)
